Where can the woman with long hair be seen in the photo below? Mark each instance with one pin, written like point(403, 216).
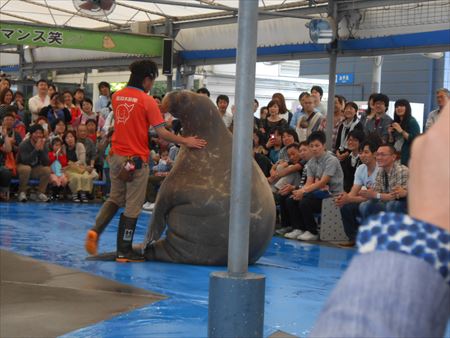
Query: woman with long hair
point(403, 130)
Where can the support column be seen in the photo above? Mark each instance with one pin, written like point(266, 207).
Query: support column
point(376, 74)
point(236, 297)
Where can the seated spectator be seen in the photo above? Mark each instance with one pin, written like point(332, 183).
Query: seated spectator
point(442, 98)
point(40, 100)
point(51, 90)
point(5, 83)
point(58, 162)
point(8, 123)
point(203, 91)
point(286, 172)
point(5, 172)
point(274, 145)
point(75, 111)
point(404, 130)
point(380, 122)
point(312, 120)
point(19, 102)
point(78, 97)
point(273, 120)
point(89, 146)
point(92, 133)
point(349, 123)
point(160, 172)
point(349, 165)
point(325, 178)
point(6, 99)
point(391, 185)
point(80, 175)
point(59, 131)
point(18, 126)
point(365, 177)
point(89, 114)
point(32, 161)
point(56, 110)
point(289, 136)
point(42, 120)
point(285, 192)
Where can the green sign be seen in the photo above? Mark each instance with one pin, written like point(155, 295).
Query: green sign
point(52, 36)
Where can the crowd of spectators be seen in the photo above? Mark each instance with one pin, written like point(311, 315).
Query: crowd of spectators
point(62, 139)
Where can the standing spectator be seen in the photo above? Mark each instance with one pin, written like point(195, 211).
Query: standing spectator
point(350, 123)
point(263, 113)
point(274, 119)
point(203, 91)
point(33, 162)
point(380, 122)
point(338, 117)
point(75, 111)
point(103, 104)
point(6, 98)
point(299, 112)
point(404, 130)
point(370, 111)
point(312, 120)
point(284, 112)
point(78, 97)
point(222, 103)
point(317, 94)
point(51, 90)
point(40, 100)
point(442, 98)
point(56, 110)
point(325, 178)
point(365, 177)
point(5, 83)
point(391, 185)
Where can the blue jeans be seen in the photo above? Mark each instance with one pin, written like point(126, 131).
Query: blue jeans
point(372, 207)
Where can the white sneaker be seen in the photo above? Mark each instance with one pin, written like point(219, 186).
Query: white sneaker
point(307, 236)
point(42, 197)
point(148, 206)
point(22, 197)
point(293, 234)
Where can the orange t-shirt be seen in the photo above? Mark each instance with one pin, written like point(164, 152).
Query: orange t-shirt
point(134, 113)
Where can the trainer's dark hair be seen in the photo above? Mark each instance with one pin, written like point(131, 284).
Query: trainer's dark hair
point(140, 70)
point(203, 91)
point(317, 136)
point(224, 98)
point(383, 98)
point(317, 89)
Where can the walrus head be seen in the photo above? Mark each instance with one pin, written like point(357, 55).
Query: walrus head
point(197, 113)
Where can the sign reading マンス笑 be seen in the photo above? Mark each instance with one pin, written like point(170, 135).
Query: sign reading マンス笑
point(75, 38)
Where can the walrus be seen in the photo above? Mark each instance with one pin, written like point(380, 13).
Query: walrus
point(194, 200)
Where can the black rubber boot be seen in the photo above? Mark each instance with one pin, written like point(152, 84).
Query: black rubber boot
point(125, 235)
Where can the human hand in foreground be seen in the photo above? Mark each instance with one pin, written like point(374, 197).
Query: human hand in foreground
point(429, 174)
point(194, 142)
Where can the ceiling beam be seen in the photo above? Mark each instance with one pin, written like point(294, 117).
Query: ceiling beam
point(365, 4)
point(144, 10)
point(190, 4)
point(22, 18)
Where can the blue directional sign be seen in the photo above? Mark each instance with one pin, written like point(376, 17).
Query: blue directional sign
point(345, 78)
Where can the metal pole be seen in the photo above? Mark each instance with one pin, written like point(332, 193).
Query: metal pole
point(236, 297)
point(241, 169)
point(376, 74)
point(331, 78)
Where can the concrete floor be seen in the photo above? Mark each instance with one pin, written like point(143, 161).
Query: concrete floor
point(39, 299)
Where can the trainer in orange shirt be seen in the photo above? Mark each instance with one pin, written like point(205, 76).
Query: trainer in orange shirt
point(134, 113)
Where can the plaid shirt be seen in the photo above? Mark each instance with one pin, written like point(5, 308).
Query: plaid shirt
point(398, 176)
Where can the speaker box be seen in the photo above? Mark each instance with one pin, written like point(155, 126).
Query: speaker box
point(167, 59)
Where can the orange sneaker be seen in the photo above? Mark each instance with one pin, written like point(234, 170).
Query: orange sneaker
point(91, 243)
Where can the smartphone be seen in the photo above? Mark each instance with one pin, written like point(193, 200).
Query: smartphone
point(272, 136)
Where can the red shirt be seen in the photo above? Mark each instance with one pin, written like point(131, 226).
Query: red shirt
point(134, 113)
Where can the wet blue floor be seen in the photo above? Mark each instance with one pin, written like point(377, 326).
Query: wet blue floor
point(299, 276)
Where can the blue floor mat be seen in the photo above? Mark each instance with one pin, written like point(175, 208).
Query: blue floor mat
point(299, 276)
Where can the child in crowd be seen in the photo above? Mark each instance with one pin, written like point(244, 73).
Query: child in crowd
point(164, 164)
point(58, 161)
